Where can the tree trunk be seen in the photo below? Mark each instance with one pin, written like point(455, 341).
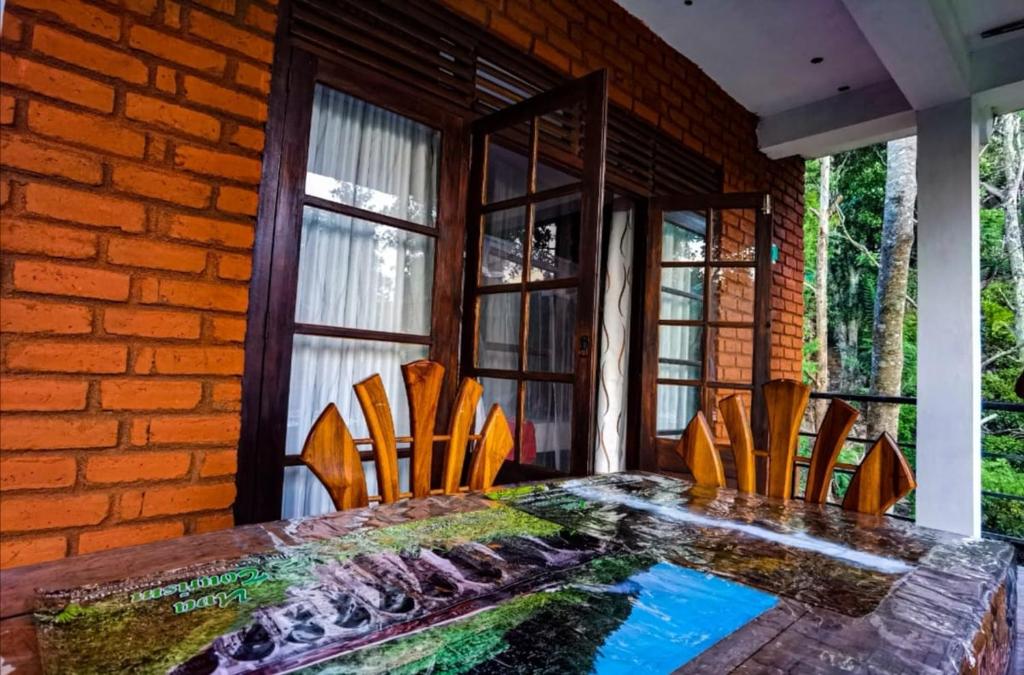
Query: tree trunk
point(821, 282)
point(1013, 170)
point(851, 335)
point(893, 271)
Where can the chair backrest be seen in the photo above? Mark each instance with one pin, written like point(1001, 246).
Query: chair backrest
point(881, 480)
point(697, 448)
point(785, 401)
point(331, 453)
point(737, 425)
point(832, 433)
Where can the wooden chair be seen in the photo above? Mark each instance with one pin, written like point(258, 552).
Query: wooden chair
point(331, 452)
point(697, 448)
point(737, 425)
point(785, 401)
point(881, 480)
point(832, 434)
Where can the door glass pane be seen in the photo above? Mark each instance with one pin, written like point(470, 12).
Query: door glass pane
point(732, 294)
point(547, 425)
point(324, 370)
point(358, 274)
point(549, 341)
point(556, 238)
point(549, 177)
point(683, 236)
point(734, 235)
point(498, 331)
point(506, 171)
point(682, 293)
point(732, 355)
point(503, 245)
point(679, 350)
point(371, 158)
point(676, 407)
point(503, 392)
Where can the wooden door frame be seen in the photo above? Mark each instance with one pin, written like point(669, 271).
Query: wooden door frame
point(271, 325)
point(760, 204)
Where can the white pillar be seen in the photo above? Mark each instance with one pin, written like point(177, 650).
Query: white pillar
point(948, 332)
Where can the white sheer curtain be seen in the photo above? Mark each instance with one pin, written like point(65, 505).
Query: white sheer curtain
point(610, 450)
point(355, 273)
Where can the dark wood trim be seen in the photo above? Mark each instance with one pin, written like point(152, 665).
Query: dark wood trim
point(764, 235)
point(535, 375)
point(544, 285)
point(532, 198)
point(636, 392)
point(361, 334)
point(369, 216)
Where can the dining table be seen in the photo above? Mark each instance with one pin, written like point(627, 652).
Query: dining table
point(619, 573)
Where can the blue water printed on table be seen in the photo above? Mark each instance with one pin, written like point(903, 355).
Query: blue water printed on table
point(677, 613)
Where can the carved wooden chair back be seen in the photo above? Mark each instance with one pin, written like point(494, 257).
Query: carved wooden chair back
point(785, 402)
point(737, 426)
point(331, 452)
point(832, 434)
point(881, 480)
point(697, 448)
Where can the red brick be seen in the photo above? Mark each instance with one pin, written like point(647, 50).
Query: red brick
point(253, 77)
point(171, 116)
point(139, 252)
point(151, 323)
point(261, 19)
point(199, 294)
point(219, 463)
point(24, 153)
point(191, 361)
point(172, 14)
point(13, 30)
point(214, 163)
point(144, 7)
point(128, 467)
point(7, 107)
point(34, 237)
point(128, 535)
point(150, 394)
point(247, 137)
point(227, 396)
point(85, 17)
point(19, 72)
point(56, 279)
point(67, 357)
point(88, 55)
point(39, 394)
point(30, 316)
point(89, 130)
point(512, 32)
point(31, 550)
point(225, 6)
point(206, 93)
point(226, 35)
point(238, 267)
point(46, 432)
point(174, 500)
point(84, 208)
point(237, 200)
point(31, 473)
point(174, 49)
point(166, 79)
point(164, 185)
point(214, 523)
point(228, 330)
point(208, 230)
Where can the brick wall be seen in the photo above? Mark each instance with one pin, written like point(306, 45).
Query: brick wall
point(130, 156)
point(130, 150)
point(665, 88)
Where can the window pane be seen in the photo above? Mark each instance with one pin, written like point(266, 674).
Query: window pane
point(498, 331)
point(676, 407)
point(549, 341)
point(683, 236)
point(506, 171)
point(556, 238)
point(503, 245)
point(371, 158)
point(682, 293)
point(324, 370)
point(503, 392)
point(679, 350)
point(734, 235)
point(733, 355)
point(358, 274)
point(548, 177)
point(547, 425)
point(732, 294)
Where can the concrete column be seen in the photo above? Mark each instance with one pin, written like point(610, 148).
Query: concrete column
point(948, 333)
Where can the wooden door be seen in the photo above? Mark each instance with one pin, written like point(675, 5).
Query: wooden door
point(707, 319)
point(534, 231)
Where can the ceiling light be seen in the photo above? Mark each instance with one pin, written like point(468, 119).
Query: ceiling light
point(845, 87)
point(817, 59)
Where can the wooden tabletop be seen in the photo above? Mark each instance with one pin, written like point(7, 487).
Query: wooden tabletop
point(849, 589)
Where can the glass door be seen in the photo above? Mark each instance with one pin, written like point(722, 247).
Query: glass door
point(531, 278)
point(707, 326)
